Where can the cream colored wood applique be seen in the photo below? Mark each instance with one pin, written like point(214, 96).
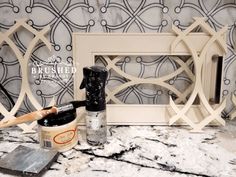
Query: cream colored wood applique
point(233, 115)
point(23, 61)
point(198, 58)
point(201, 46)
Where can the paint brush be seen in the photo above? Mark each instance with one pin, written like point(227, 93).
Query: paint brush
point(37, 115)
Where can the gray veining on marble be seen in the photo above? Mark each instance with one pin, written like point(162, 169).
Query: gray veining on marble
point(142, 151)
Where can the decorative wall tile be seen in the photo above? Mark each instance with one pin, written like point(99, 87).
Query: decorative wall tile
point(67, 16)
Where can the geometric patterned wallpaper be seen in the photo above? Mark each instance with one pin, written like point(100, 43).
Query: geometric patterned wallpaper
point(67, 16)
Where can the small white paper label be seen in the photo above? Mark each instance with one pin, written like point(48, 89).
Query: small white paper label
point(94, 121)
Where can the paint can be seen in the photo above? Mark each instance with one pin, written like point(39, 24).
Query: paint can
point(58, 132)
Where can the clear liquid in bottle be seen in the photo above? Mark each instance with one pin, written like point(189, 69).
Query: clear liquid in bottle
point(96, 126)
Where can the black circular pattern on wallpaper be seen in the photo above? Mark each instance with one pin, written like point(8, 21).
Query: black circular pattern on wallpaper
point(69, 16)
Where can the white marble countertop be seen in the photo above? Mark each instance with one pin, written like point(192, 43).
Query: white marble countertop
point(141, 151)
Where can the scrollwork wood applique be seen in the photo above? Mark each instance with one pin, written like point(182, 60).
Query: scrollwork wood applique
point(201, 46)
point(23, 61)
point(233, 114)
point(199, 59)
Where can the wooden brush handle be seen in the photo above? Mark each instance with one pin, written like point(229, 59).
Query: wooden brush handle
point(37, 115)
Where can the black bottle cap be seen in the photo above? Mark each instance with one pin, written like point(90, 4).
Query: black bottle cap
point(94, 82)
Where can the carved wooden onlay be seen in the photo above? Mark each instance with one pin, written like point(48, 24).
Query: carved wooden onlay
point(201, 46)
point(23, 61)
point(198, 58)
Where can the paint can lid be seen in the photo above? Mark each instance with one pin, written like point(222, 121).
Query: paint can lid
point(53, 120)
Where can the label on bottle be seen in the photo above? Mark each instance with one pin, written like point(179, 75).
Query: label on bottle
point(96, 129)
point(95, 120)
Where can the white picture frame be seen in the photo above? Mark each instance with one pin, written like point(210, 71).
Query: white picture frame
point(87, 45)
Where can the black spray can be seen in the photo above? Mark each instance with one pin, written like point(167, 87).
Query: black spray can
point(96, 125)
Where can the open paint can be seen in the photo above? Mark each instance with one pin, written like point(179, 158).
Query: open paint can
point(58, 132)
